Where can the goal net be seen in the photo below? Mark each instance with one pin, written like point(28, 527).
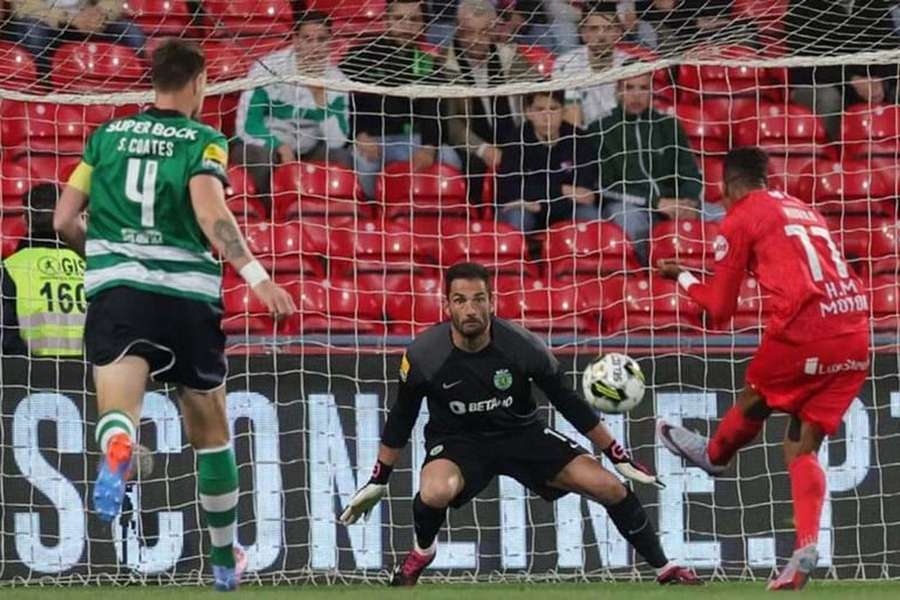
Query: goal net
point(568, 146)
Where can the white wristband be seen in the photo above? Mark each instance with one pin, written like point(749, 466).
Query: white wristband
point(686, 280)
point(482, 148)
point(253, 273)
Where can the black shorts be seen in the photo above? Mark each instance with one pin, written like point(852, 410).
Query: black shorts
point(181, 339)
point(532, 456)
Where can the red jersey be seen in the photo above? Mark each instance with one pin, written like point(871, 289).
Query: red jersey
point(786, 245)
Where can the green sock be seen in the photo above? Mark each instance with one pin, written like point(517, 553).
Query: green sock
point(112, 422)
point(218, 485)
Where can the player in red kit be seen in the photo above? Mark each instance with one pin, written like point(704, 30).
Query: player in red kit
point(814, 354)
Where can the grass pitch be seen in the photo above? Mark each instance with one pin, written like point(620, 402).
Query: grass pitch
point(598, 591)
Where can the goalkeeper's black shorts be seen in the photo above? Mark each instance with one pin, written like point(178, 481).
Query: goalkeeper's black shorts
point(533, 456)
point(181, 339)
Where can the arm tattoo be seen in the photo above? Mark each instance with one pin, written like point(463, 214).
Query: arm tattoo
point(229, 238)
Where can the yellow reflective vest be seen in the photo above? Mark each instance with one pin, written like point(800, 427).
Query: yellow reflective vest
point(50, 303)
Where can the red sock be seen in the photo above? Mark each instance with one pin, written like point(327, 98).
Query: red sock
point(808, 491)
point(734, 432)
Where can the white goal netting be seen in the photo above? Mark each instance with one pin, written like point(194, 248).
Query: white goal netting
point(569, 146)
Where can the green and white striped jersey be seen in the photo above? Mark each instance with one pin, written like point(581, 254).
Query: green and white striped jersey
point(142, 231)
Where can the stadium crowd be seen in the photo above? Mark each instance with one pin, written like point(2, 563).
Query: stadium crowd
point(360, 191)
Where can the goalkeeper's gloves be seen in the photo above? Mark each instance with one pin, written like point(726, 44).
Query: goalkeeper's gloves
point(366, 497)
point(628, 467)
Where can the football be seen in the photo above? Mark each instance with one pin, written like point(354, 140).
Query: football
point(613, 383)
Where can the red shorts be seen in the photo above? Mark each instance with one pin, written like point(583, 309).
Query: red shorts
point(815, 382)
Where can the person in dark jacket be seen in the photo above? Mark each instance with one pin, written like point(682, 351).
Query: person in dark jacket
point(395, 128)
point(479, 127)
point(829, 28)
point(550, 173)
point(646, 163)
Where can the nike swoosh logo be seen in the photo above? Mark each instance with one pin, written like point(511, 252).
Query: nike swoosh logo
point(638, 530)
point(447, 386)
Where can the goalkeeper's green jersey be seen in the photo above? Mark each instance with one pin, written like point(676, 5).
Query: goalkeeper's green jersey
point(142, 231)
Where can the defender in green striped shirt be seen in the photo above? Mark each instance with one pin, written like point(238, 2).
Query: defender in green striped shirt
point(153, 186)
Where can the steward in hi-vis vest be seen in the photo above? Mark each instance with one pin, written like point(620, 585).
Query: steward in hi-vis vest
point(43, 288)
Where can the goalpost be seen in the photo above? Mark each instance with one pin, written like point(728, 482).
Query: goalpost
point(362, 249)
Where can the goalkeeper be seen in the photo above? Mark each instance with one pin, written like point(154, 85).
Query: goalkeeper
point(476, 371)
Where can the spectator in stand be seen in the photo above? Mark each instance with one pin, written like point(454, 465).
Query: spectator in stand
point(716, 24)
point(283, 122)
point(871, 85)
point(600, 32)
point(394, 128)
point(42, 283)
point(563, 17)
point(674, 27)
point(479, 127)
point(647, 167)
point(635, 29)
point(550, 173)
point(523, 22)
point(40, 24)
point(829, 28)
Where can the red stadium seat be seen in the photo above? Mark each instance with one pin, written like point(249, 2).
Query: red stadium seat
point(251, 17)
point(540, 58)
point(294, 250)
point(592, 248)
point(872, 244)
point(689, 242)
point(15, 181)
point(335, 307)
point(97, 67)
point(363, 247)
point(159, 17)
point(498, 247)
point(219, 112)
point(247, 209)
point(17, 69)
point(735, 109)
point(438, 189)
point(260, 240)
point(794, 131)
point(415, 305)
point(553, 311)
point(225, 60)
point(240, 182)
point(871, 130)
point(314, 188)
point(13, 125)
point(712, 179)
point(429, 230)
point(787, 173)
point(851, 186)
point(244, 312)
point(705, 133)
point(12, 230)
point(655, 305)
point(49, 167)
point(48, 127)
point(884, 295)
point(751, 308)
point(696, 81)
